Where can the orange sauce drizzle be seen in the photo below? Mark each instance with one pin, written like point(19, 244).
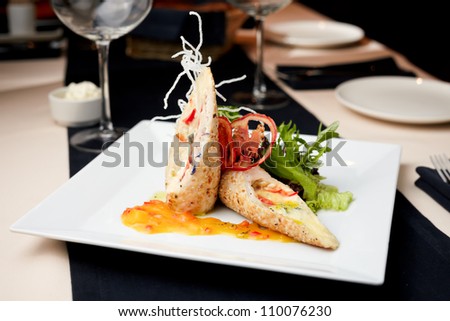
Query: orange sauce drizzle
point(156, 216)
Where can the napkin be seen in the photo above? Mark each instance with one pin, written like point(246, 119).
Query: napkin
point(431, 183)
point(330, 76)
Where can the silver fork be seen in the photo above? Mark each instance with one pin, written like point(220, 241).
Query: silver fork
point(442, 165)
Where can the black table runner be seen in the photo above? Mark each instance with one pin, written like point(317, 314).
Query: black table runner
point(418, 265)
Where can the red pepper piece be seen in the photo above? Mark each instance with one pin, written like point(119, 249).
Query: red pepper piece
point(190, 118)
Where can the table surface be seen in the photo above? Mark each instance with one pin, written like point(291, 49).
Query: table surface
point(35, 162)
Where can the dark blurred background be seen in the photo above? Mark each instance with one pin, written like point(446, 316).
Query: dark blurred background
point(416, 30)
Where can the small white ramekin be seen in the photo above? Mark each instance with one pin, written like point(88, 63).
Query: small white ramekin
point(74, 113)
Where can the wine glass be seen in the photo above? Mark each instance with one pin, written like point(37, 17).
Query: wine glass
point(101, 21)
point(260, 98)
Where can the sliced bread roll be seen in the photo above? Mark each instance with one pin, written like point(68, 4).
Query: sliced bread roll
point(193, 170)
point(266, 201)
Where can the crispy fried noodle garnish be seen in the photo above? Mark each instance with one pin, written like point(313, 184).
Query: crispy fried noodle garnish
point(191, 61)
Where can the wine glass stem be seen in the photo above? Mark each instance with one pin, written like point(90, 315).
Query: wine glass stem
point(103, 56)
point(259, 86)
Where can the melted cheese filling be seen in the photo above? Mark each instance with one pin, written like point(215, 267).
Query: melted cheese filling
point(283, 201)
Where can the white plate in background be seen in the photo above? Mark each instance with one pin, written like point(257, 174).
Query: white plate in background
point(397, 98)
point(314, 33)
point(88, 208)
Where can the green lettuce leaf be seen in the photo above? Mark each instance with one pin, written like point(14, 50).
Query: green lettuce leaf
point(329, 198)
point(296, 162)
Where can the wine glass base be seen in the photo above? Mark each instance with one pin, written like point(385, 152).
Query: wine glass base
point(271, 100)
point(94, 140)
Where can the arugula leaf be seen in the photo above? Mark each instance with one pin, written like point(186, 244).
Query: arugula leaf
point(296, 162)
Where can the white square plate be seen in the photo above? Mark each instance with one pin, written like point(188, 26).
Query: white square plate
point(87, 209)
